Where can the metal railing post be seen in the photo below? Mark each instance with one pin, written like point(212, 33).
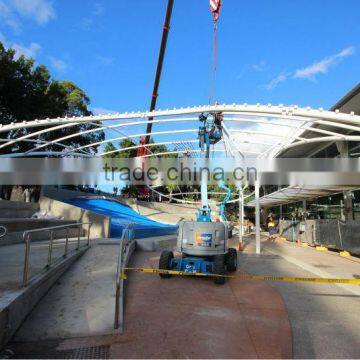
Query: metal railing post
point(51, 229)
point(119, 281)
point(66, 242)
point(50, 248)
point(26, 237)
point(88, 235)
point(126, 241)
point(78, 240)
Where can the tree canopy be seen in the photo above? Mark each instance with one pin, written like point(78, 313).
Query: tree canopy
point(124, 144)
point(28, 92)
point(130, 153)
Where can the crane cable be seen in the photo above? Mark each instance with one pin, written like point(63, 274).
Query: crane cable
point(215, 6)
point(214, 64)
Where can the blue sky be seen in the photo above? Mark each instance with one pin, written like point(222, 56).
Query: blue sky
point(270, 51)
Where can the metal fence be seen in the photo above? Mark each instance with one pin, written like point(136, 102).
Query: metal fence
point(332, 233)
point(27, 239)
point(126, 248)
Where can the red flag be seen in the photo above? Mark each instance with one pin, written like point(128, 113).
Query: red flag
point(215, 6)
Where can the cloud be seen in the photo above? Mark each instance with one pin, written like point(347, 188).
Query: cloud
point(310, 72)
point(3, 39)
point(102, 111)
point(261, 66)
point(11, 11)
point(41, 11)
point(86, 24)
point(276, 81)
point(28, 51)
point(31, 51)
point(105, 60)
point(322, 67)
point(58, 64)
point(98, 9)
point(8, 17)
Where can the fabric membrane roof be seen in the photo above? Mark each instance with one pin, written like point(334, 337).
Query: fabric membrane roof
point(294, 194)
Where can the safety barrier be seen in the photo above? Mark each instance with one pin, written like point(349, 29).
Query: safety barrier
point(126, 248)
point(329, 233)
point(244, 276)
point(27, 240)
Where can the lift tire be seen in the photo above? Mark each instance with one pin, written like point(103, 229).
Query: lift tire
point(231, 260)
point(164, 262)
point(219, 268)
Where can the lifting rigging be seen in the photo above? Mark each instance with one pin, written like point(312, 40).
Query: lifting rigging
point(204, 243)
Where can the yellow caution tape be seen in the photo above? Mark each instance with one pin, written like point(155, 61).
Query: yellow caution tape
point(244, 276)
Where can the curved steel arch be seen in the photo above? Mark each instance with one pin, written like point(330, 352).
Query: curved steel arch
point(236, 140)
point(291, 111)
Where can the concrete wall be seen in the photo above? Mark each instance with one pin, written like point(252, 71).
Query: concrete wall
point(169, 213)
point(16, 227)
point(17, 209)
point(61, 194)
point(101, 223)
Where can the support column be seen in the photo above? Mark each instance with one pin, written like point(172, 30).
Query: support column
point(348, 205)
point(257, 217)
point(241, 218)
point(343, 148)
point(280, 206)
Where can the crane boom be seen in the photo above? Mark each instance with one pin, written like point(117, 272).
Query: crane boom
point(159, 67)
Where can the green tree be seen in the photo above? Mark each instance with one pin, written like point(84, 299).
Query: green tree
point(127, 153)
point(157, 149)
point(126, 143)
point(171, 188)
point(28, 92)
point(110, 147)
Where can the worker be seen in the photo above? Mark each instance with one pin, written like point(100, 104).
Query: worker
point(218, 118)
point(26, 195)
point(271, 228)
point(186, 153)
point(215, 132)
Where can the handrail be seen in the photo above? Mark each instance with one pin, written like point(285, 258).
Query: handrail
point(126, 247)
point(3, 229)
point(51, 229)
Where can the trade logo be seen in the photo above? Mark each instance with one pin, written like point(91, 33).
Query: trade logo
point(203, 239)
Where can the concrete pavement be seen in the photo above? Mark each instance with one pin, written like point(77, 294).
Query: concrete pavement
point(324, 318)
point(191, 317)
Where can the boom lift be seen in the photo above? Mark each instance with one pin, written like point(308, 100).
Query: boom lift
point(203, 243)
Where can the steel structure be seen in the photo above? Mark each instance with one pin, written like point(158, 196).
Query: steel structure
point(249, 130)
point(262, 131)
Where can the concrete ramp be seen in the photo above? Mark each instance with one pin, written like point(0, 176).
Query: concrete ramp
point(81, 303)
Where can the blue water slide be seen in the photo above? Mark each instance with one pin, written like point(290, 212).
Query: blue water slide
point(121, 214)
